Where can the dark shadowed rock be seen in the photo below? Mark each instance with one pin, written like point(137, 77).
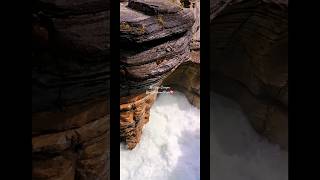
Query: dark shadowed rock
point(154, 7)
point(249, 41)
point(70, 87)
point(66, 8)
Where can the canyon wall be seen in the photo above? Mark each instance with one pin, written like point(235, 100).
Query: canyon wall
point(155, 38)
point(249, 61)
point(186, 78)
point(70, 87)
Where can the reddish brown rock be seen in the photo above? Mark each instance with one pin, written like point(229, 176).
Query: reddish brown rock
point(84, 149)
point(57, 167)
point(134, 114)
point(70, 86)
point(155, 39)
point(73, 116)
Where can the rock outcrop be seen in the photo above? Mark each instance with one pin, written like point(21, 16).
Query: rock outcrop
point(155, 39)
point(186, 78)
point(249, 44)
point(70, 87)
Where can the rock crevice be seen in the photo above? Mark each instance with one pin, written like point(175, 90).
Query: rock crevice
point(155, 38)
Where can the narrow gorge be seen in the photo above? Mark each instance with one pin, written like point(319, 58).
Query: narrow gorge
point(160, 89)
point(249, 64)
point(160, 43)
point(160, 47)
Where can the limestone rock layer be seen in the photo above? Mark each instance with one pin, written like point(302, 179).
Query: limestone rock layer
point(70, 87)
point(155, 38)
point(134, 114)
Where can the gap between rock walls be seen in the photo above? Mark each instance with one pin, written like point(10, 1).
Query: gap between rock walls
point(156, 49)
point(159, 64)
point(160, 44)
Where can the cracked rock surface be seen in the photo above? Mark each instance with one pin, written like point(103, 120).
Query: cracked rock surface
point(70, 87)
point(155, 39)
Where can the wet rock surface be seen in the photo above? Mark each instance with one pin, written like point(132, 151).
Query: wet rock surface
point(155, 39)
point(186, 79)
point(70, 86)
point(249, 58)
point(134, 114)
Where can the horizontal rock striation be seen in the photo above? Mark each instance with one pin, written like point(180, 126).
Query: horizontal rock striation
point(134, 114)
point(70, 87)
point(249, 42)
point(186, 78)
point(155, 39)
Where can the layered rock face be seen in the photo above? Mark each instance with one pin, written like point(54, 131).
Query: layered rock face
point(186, 78)
point(249, 44)
point(70, 86)
point(155, 39)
